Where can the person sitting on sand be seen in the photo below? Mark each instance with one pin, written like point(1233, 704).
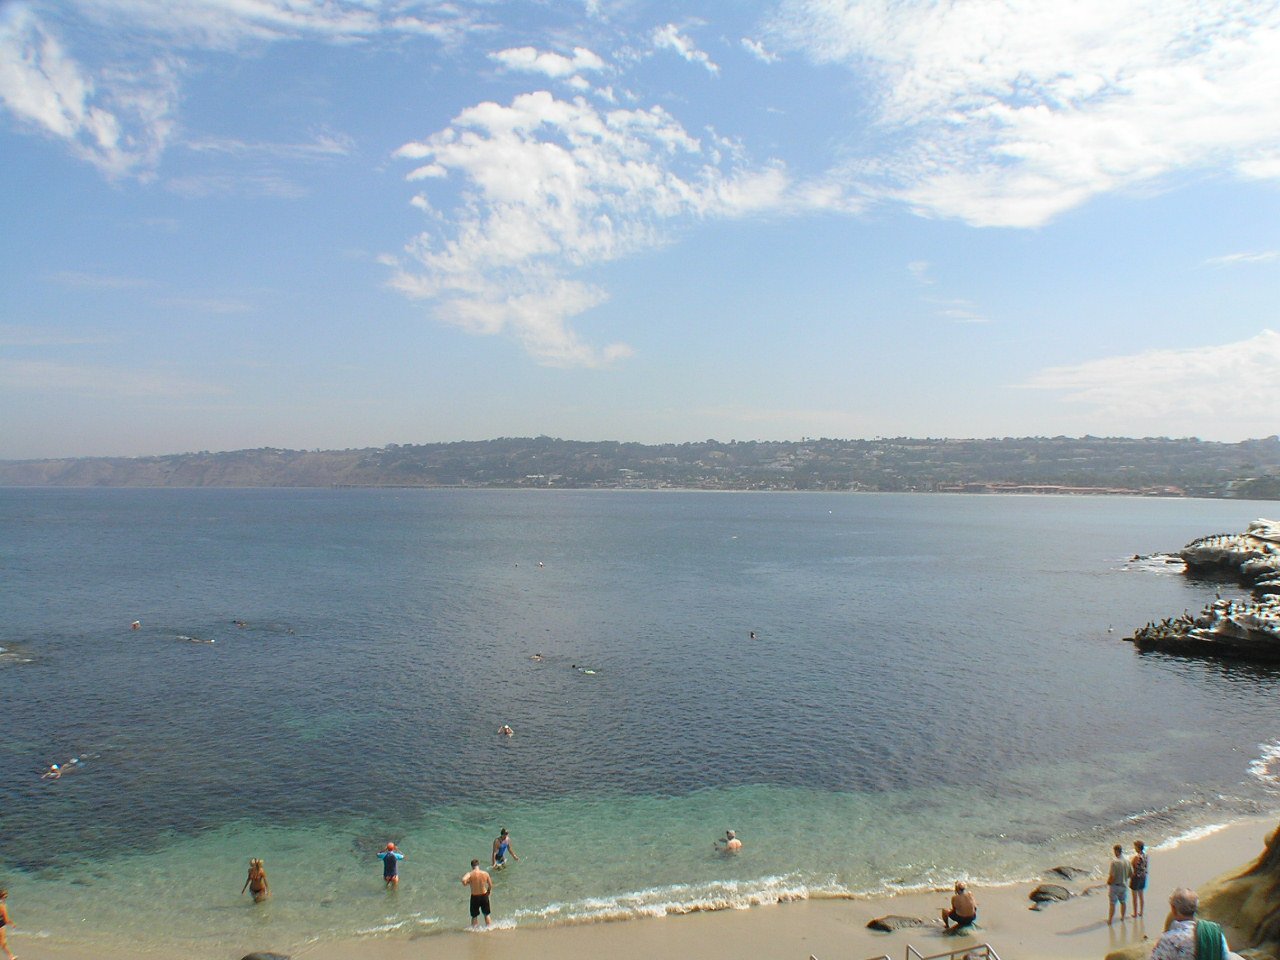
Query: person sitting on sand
point(256, 882)
point(963, 912)
point(5, 922)
point(391, 858)
point(1188, 938)
point(501, 847)
point(731, 842)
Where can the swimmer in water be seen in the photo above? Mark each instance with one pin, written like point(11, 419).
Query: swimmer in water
point(537, 658)
point(136, 625)
point(731, 842)
point(256, 882)
point(391, 858)
point(506, 731)
point(501, 847)
point(53, 773)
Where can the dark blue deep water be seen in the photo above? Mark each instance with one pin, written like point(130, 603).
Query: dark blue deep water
point(919, 661)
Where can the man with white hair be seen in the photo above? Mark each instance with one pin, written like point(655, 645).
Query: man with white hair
point(1188, 938)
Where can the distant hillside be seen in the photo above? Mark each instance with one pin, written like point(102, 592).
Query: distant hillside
point(1154, 466)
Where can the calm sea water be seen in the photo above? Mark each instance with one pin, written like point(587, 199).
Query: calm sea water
point(935, 690)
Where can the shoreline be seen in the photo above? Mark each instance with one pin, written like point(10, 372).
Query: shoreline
point(824, 927)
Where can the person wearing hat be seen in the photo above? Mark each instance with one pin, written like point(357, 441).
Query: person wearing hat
point(391, 858)
point(963, 912)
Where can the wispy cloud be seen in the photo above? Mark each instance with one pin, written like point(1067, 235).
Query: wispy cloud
point(1236, 259)
point(554, 65)
point(1010, 113)
point(920, 270)
point(669, 37)
point(1178, 390)
point(267, 186)
point(39, 377)
point(119, 119)
point(17, 335)
point(322, 147)
point(118, 111)
point(98, 281)
point(551, 187)
point(757, 50)
point(220, 305)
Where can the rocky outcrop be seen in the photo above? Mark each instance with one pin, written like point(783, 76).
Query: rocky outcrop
point(1049, 893)
point(1234, 629)
point(894, 922)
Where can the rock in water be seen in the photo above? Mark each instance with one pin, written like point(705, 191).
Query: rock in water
point(892, 922)
point(1069, 873)
point(1049, 892)
point(1235, 629)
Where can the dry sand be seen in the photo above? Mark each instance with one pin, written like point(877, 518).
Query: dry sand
point(826, 929)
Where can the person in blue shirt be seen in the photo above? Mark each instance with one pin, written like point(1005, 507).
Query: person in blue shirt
point(391, 858)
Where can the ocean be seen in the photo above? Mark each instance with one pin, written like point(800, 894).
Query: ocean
point(937, 688)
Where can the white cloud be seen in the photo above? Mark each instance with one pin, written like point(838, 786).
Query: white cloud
point(669, 37)
point(1009, 112)
point(119, 120)
point(322, 147)
point(119, 114)
point(1188, 392)
point(1235, 259)
point(554, 65)
point(551, 187)
point(757, 50)
point(920, 270)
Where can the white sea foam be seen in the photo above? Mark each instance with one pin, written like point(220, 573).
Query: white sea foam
point(681, 898)
point(1267, 766)
point(1195, 833)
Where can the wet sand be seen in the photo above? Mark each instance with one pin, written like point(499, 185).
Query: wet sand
point(825, 929)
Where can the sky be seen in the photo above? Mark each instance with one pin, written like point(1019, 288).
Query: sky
point(347, 223)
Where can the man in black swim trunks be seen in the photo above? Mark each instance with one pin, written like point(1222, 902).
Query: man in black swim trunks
point(481, 885)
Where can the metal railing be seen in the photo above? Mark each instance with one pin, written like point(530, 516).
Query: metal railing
point(982, 951)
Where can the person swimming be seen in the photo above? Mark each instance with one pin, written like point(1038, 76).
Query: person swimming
point(506, 731)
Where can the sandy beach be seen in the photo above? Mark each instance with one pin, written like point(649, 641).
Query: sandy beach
point(825, 929)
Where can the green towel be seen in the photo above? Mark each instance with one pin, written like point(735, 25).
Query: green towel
point(1209, 941)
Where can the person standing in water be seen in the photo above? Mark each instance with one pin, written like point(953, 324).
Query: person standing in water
point(501, 847)
point(4, 923)
point(256, 882)
point(481, 885)
point(391, 858)
point(731, 842)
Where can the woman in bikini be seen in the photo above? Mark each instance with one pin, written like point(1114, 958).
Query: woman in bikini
point(256, 883)
point(5, 922)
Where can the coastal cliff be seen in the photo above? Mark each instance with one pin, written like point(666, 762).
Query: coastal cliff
point(1243, 629)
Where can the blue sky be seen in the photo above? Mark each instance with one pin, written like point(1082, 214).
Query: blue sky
point(344, 223)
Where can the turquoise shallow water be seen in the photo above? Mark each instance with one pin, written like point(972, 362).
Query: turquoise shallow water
point(934, 691)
